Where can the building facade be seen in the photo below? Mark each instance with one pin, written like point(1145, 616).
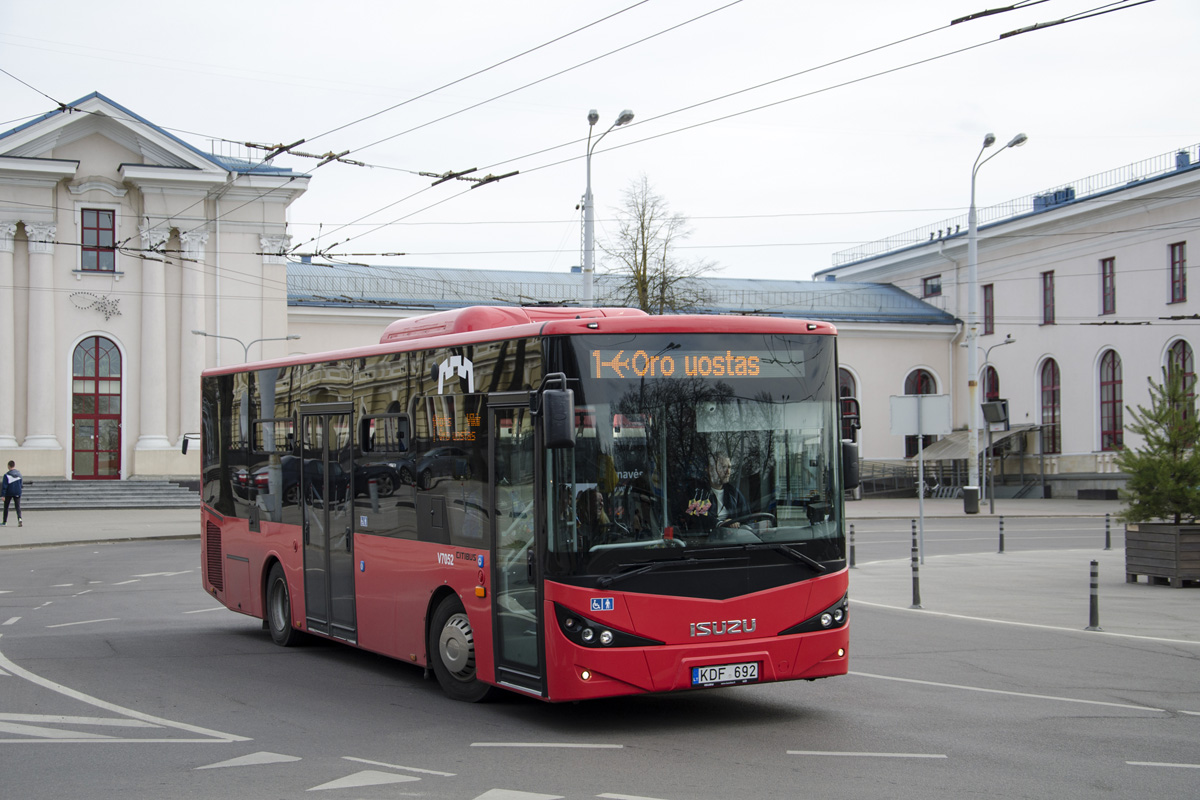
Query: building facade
point(1088, 279)
point(117, 241)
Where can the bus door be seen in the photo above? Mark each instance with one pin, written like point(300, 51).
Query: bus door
point(323, 475)
point(516, 602)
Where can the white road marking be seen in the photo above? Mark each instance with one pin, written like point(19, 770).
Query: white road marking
point(863, 755)
point(82, 622)
point(1008, 693)
point(368, 777)
point(164, 574)
point(62, 586)
point(397, 766)
point(206, 610)
point(1093, 634)
point(67, 720)
point(252, 760)
point(626, 797)
point(565, 745)
point(1161, 764)
point(211, 736)
point(47, 603)
point(85, 591)
point(5, 591)
point(44, 733)
point(1191, 713)
point(509, 794)
point(123, 583)
point(10, 621)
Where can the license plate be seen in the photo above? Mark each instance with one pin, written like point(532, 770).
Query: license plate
point(725, 674)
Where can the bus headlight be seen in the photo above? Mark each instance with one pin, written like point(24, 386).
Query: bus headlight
point(606, 638)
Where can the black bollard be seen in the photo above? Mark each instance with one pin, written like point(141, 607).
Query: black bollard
point(1001, 534)
point(1108, 531)
point(916, 603)
point(852, 546)
point(1094, 616)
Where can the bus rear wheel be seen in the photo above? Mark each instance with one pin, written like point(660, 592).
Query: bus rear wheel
point(279, 609)
point(452, 653)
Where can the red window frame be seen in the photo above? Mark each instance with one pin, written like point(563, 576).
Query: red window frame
point(1112, 429)
point(1108, 286)
point(989, 309)
point(98, 236)
point(1048, 298)
point(1051, 407)
point(931, 286)
point(1178, 272)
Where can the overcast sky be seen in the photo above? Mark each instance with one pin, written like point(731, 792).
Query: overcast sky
point(834, 159)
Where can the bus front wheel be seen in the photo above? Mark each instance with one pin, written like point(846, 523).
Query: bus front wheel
point(452, 653)
point(279, 609)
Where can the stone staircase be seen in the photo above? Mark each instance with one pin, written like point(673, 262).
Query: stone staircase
point(50, 493)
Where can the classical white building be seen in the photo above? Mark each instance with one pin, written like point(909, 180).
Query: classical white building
point(117, 240)
point(1089, 278)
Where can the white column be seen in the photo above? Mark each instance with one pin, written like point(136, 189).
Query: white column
point(40, 391)
point(191, 318)
point(8, 331)
point(152, 416)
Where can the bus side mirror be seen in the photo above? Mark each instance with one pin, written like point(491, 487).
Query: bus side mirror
point(558, 418)
point(850, 471)
point(185, 441)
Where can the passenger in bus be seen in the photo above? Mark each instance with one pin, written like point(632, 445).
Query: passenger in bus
point(717, 502)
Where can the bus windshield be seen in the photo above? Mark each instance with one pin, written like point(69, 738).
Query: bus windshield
point(697, 445)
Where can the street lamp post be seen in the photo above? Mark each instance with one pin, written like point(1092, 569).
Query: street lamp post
point(973, 310)
point(589, 211)
point(246, 346)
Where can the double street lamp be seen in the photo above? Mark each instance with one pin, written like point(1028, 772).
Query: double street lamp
point(973, 310)
point(589, 211)
point(246, 346)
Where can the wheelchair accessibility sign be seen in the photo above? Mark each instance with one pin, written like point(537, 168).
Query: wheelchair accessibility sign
point(602, 604)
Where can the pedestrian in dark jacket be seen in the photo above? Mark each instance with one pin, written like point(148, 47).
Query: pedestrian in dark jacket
point(10, 488)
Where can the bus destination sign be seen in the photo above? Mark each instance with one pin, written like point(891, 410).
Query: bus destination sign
point(637, 364)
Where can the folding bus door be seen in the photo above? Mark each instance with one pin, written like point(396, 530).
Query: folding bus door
point(517, 605)
point(325, 497)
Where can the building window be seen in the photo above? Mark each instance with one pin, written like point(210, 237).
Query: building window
point(97, 251)
point(991, 384)
point(989, 309)
point(1048, 298)
point(1112, 433)
point(932, 286)
point(1108, 286)
point(1178, 272)
point(1180, 359)
point(919, 381)
point(1051, 408)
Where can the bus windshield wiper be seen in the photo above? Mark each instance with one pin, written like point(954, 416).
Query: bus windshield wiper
point(788, 550)
point(779, 547)
point(608, 580)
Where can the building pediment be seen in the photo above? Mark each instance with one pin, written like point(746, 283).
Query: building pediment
point(96, 115)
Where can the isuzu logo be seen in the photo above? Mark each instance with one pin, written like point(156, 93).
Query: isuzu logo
point(724, 627)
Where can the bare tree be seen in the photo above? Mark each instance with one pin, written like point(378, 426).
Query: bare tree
point(643, 268)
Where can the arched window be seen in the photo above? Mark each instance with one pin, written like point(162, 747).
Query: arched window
point(1112, 434)
point(1180, 359)
point(991, 384)
point(1051, 408)
point(919, 381)
point(847, 387)
point(96, 410)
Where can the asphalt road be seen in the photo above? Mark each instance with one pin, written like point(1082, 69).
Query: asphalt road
point(120, 678)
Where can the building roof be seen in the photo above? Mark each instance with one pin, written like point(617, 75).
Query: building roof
point(435, 289)
point(1084, 189)
point(126, 116)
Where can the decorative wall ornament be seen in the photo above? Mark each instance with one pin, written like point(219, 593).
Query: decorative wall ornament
point(274, 248)
point(41, 236)
point(108, 306)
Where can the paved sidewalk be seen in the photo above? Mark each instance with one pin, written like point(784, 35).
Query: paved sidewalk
point(1047, 588)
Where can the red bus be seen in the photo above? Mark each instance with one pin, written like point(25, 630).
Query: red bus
point(567, 503)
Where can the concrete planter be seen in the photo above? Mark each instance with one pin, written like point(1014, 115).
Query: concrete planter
point(1163, 552)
